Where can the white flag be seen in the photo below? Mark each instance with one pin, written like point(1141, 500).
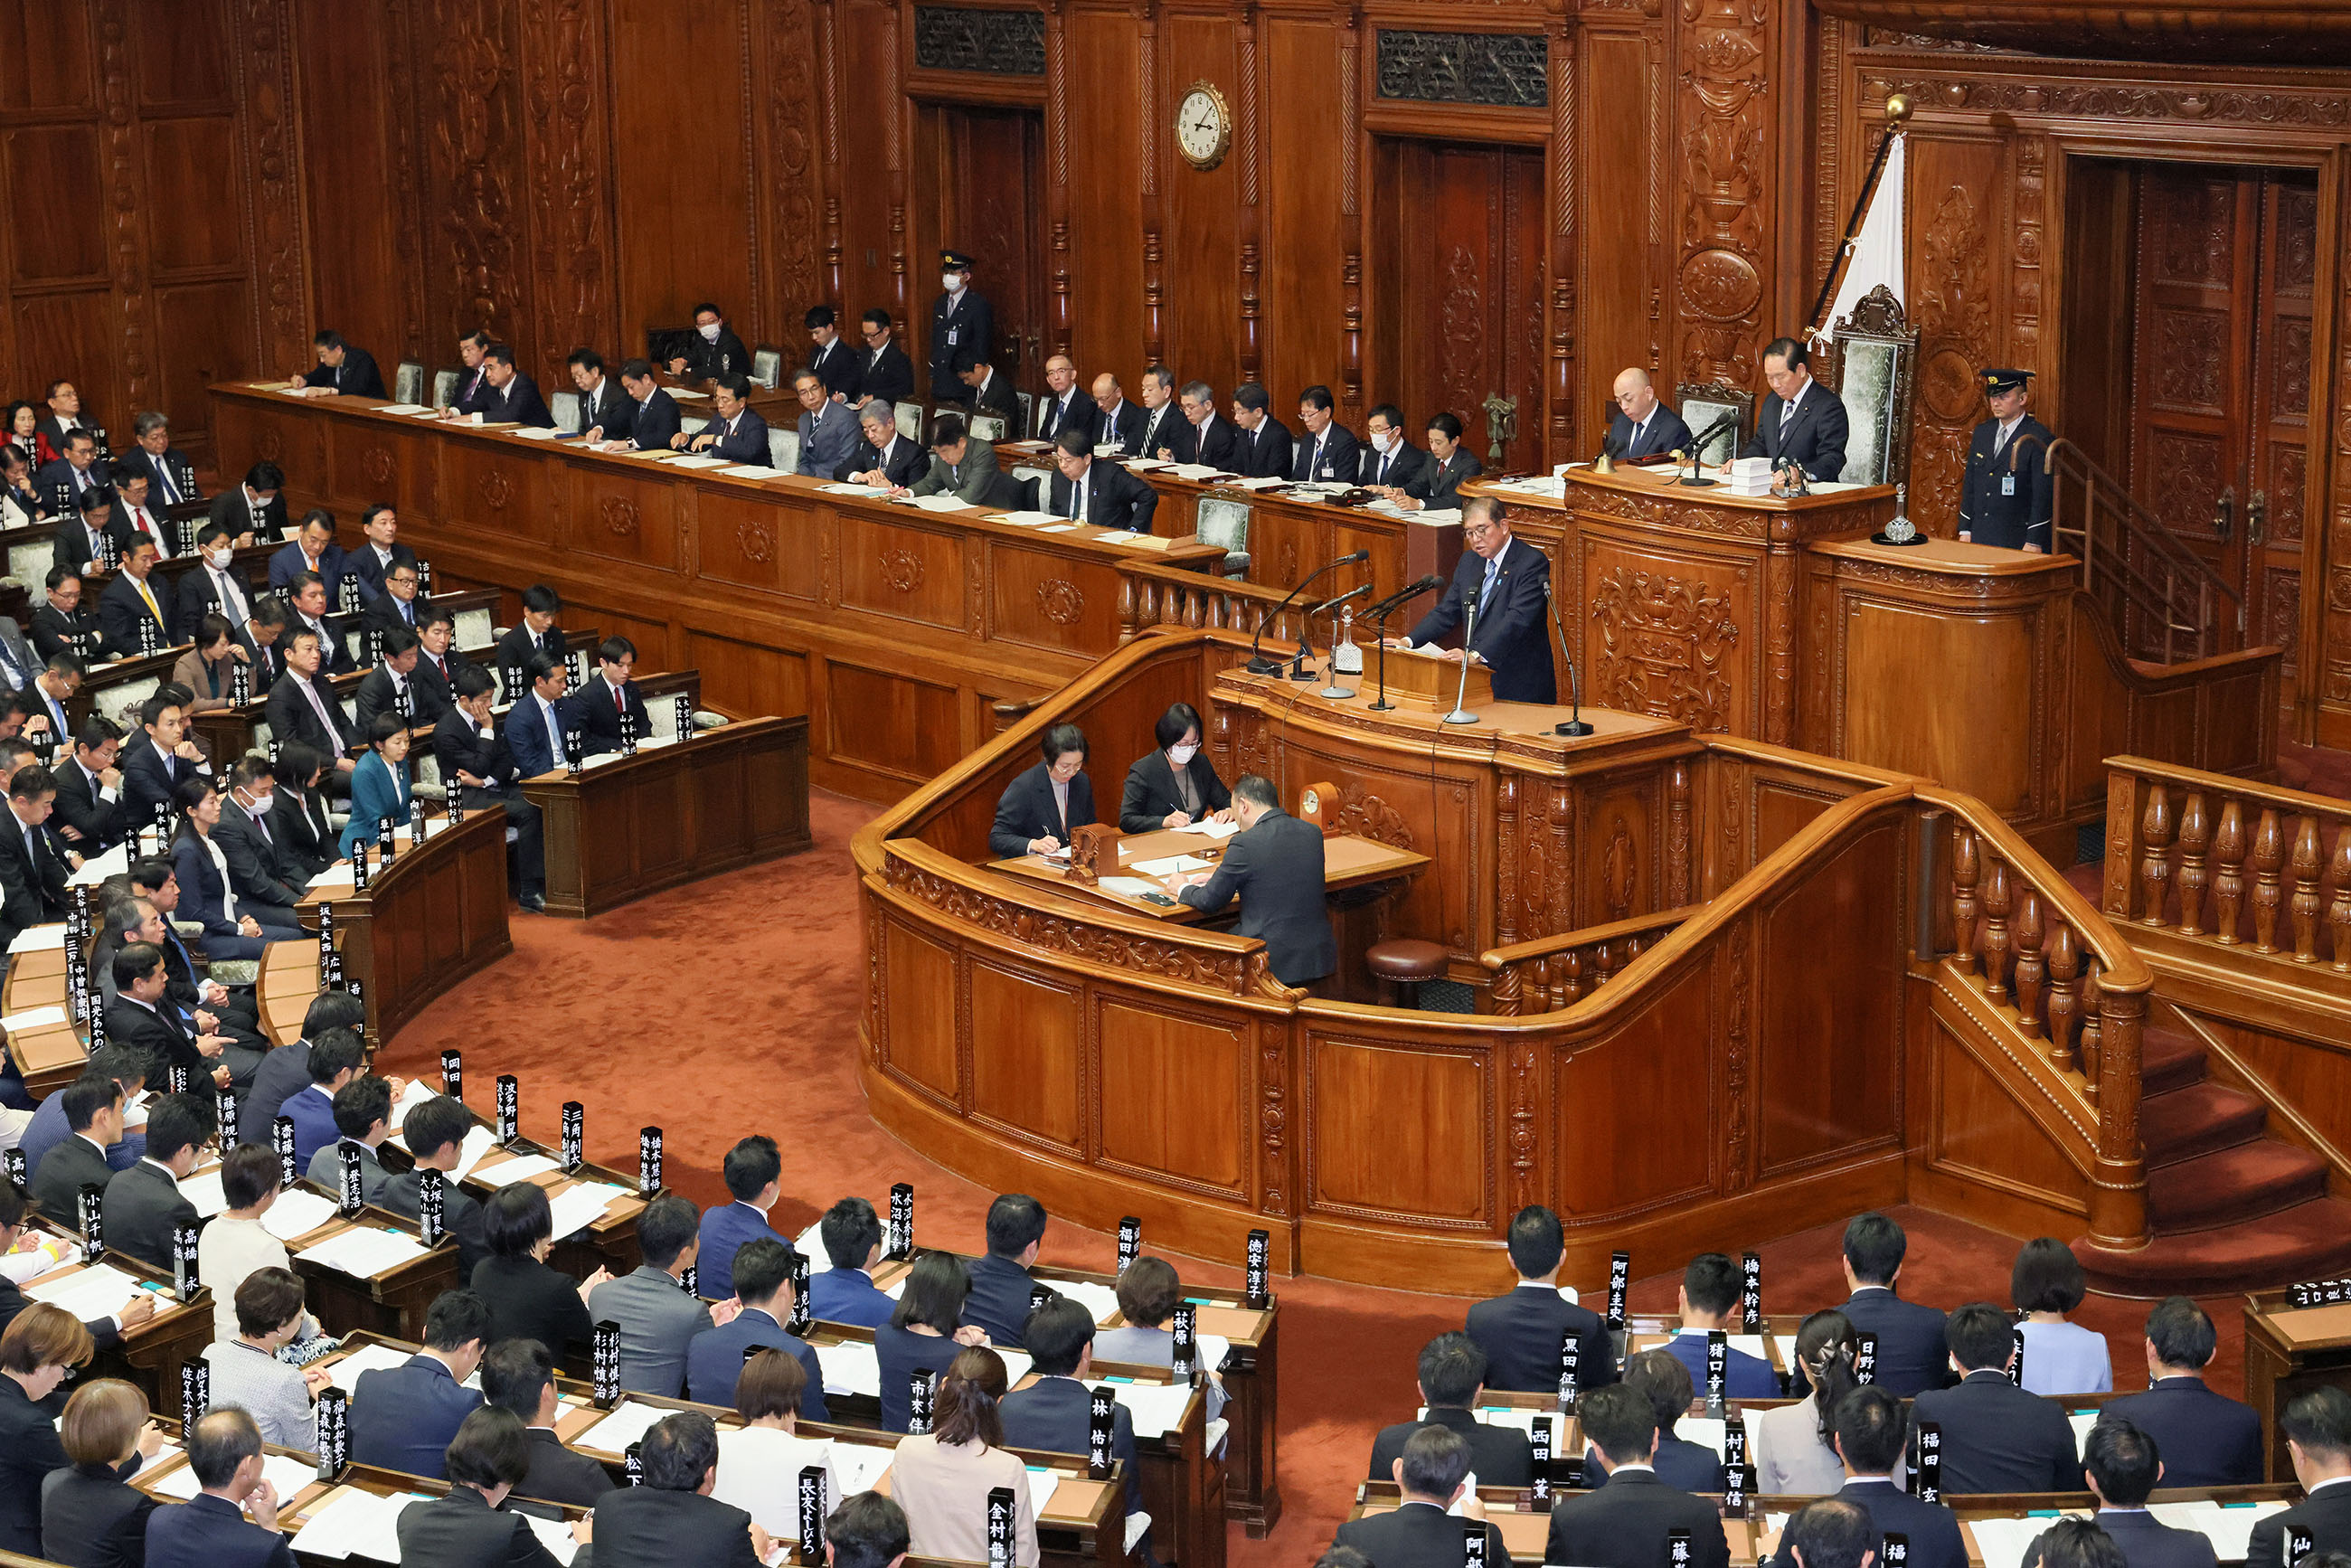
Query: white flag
point(1877, 247)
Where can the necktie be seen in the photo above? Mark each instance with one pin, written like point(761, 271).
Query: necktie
point(261, 821)
point(619, 705)
point(1487, 591)
point(407, 611)
point(1787, 413)
point(149, 598)
point(1077, 500)
point(1633, 446)
point(1383, 469)
point(163, 477)
point(334, 733)
point(32, 852)
point(554, 731)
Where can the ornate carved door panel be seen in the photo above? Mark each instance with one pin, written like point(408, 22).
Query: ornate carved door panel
point(990, 182)
point(2278, 470)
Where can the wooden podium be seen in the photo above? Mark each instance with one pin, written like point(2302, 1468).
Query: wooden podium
point(1424, 680)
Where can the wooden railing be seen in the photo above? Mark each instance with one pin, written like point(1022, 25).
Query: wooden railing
point(2133, 566)
point(1553, 973)
point(1153, 594)
point(2213, 859)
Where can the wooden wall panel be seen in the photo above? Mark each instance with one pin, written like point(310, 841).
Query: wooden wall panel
point(1617, 1162)
point(681, 166)
point(1200, 242)
point(476, 245)
point(180, 55)
point(201, 328)
point(1622, 224)
point(1104, 158)
point(1175, 1099)
point(874, 264)
point(1363, 1159)
point(1027, 1056)
point(191, 217)
point(1310, 178)
point(918, 1031)
point(56, 167)
point(47, 57)
point(1985, 1138)
point(359, 126)
point(747, 678)
point(1955, 187)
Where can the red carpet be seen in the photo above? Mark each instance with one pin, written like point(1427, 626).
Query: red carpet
point(732, 1006)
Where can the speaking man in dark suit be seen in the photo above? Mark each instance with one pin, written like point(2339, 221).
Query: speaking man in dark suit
point(1521, 1332)
point(1802, 422)
point(1117, 423)
point(963, 326)
point(255, 511)
point(518, 1375)
point(1001, 1280)
point(834, 362)
point(1054, 1413)
point(1328, 453)
point(403, 1417)
point(2207, 1439)
point(887, 460)
point(1274, 864)
point(883, 371)
point(605, 412)
point(513, 397)
point(2123, 1466)
point(1063, 407)
point(144, 1205)
point(1642, 426)
point(737, 432)
point(672, 1517)
point(648, 421)
point(1452, 1380)
point(1419, 1532)
point(1262, 448)
point(1038, 808)
point(2316, 1427)
point(1388, 460)
point(1624, 1523)
point(342, 368)
point(607, 696)
point(1099, 493)
point(1508, 580)
point(170, 478)
point(1911, 1352)
point(1996, 1437)
point(211, 1529)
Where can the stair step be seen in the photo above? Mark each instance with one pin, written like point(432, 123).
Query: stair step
point(2169, 1059)
point(2310, 1240)
point(2232, 1186)
point(2197, 1119)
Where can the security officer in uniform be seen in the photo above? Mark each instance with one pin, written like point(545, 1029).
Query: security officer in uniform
point(2004, 500)
point(961, 325)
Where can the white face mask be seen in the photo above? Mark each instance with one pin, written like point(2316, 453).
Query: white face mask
point(220, 557)
point(710, 333)
point(262, 803)
point(1181, 755)
point(1388, 444)
point(951, 281)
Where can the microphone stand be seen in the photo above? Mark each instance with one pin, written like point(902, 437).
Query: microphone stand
point(1697, 450)
point(1380, 613)
point(1461, 714)
point(1259, 664)
point(1574, 723)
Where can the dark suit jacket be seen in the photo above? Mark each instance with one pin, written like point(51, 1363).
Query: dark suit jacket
point(1151, 794)
point(143, 1206)
point(1686, 1465)
point(291, 717)
point(196, 596)
point(283, 1073)
point(402, 1417)
point(460, 1213)
point(653, 422)
point(100, 822)
point(903, 461)
point(121, 610)
point(35, 891)
point(264, 662)
point(970, 321)
point(230, 511)
point(1276, 870)
point(1816, 438)
point(29, 1450)
point(1216, 443)
point(377, 694)
point(176, 465)
point(1998, 1438)
point(1114, 498)
point(472, 390)
point(91, 1516)
point(1513, 633)
point(1122, 428)
point(527, 738)
point(368, 568)
point(258, 868)
point(1155, 428)
point(1265, 454)
point(299, 821)
point(706, 359)
point(529, 1300)
point(290, 563)
point(147, 781)
point(54, 632)
point(2148, 1542)
point(1501, 1455)
point(559, 1475)
point(1052, 1414)
point(384, 613)
point(612, 407)
point(640, 1524)
point(746, 443)
point(61, 485)
point(72, 546)
point(460, 1530)
point(211, 1533)
point(1520, 1332)
point(1932, 1530)
point(158, 1032)
point(837, 366)
point(993, 396)
point(1342, 456)
point(1438, 486)
point(458, 744)
point(2325, 1515)
point(2207, 1439)
point(64, 1170)
point(888, 375)
point(355, 377)
point(1053, 415)
point(1025, 811)
point(999, 1302)
point(1409, 462)
point(334, 640)
point(593, 711)
point(1665, 432)
point(714, 1360)
point(518, 401)
point(1911, 1352)
point(516, 648)
point(1624, 1523)
point(1419, 1535)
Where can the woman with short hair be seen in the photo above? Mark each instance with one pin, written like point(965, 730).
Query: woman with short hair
point(92, 1517)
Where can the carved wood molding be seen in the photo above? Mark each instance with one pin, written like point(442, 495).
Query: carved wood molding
point(1726, 50)
point(1060, 601)
point(1664, 644)
point(2008, 93)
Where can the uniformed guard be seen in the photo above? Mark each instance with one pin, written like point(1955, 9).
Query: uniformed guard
point(962, 322)
point(2004, 500)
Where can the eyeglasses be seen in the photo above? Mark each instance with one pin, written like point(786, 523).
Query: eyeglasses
point(1476, 530)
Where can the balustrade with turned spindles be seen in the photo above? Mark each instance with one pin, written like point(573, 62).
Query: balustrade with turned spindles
point(2033, 961)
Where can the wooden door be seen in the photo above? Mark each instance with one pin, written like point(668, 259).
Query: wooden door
point(2277, 475)
point(1463, 314)
point(993, 167)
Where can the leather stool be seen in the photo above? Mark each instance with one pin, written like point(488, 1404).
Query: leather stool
point(1405, 963)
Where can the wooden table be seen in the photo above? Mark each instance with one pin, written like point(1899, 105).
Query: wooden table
point(49, 1055)
point(2289, 1350)
point(392, 1303)
point(627, 826)
point(149, 1354)
point(1349, 860)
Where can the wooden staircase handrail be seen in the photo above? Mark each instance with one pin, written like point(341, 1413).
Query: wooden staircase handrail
point(2187, 603)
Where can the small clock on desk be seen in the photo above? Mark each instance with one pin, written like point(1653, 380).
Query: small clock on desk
point(1204, 126)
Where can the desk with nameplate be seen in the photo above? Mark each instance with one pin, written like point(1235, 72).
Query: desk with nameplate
point(149, 1355)
point(2296, 1339)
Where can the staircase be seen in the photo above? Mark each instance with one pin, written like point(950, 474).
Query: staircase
point(2230, 1206)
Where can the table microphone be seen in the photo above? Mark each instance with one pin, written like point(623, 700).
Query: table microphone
point(1574, 723)
point(1259, 664)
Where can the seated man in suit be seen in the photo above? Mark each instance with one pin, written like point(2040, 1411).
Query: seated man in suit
point(1522, 1332)
point(141, 1016)
point(1389, 461)
point(657, 1319)
point(651, 415)
point(136, 607)
point(259, 871)
point(285, 1073)
point(487, 1458)
point(1870, 1429)
point(1665, 1382)
point(343, 369)
point(1624, 1522)
point(539, 726)
point(962, 466)
point(135, 517)
point(1274, 865)
point(1328, 453)
point(398, 606)
point(363, 1110)
point(1099, 492)
point(216, 587)
point(49, 1127)
point(887, 460)
point(605, 413)
point(144, 1206)
point(255, 511)
point(1452, 1384)
point(211, 1530)
point(1163, 423)
point(391, 686)
point(1508, 581)
point(63, 627)
point(834, 361)
point(1063, 407)
point(438, 661)
point(1055, 1412)
point(1001, 1280)
point(1438, 487)
point(434, 1131)
point(536, 632)
point(476, 762)
point(371, 561)
point(1203, 438)
point(1833, 1533)
point(1642, 426)
point(33, 865)
point(713, 351)
point(753, 1172)
point(93, 1109)
point(1432, 1473)
point(883, 371)
point(84, 540)
point(990, 394)
point(17, 1208)
point(159, 759)
point(609, 697)
point(2316, 1427)
point(311, 607)
point(170, 478)
point(260, 636)
point(846, 1293)
point(513, 397)
point(338, 1056)
point(312, 550)
point(1709, 1303)
point(68, 484)
point(828, 431)
point(672, 1517)
point(2208, 1439)
point(518, 1375)
point(1117, 423)
point(1262, 449)
point(762, 1275)
point(473, 388)
point(403, 1416)
point(1911, 1352)
point(1996, 1437)
point(737, 432)
point(2123, 1466)
point(303, 706)
point(1802, 422)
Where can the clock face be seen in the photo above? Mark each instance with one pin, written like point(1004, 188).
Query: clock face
point(1203, 126)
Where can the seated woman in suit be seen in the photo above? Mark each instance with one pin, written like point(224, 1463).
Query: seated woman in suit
point(379, 784)
point(528, 1298)
point(1439, 486)
point(233, 927)
point(1793, 1448)
point(205, 668)
point(36, 1351)
point(487, 1458)
point(298, 817)
point(1149, 1291)
point(1174, 785)
point(90, 1514)
point(924, 1332)
point(942, 1477)
point(1039, 807)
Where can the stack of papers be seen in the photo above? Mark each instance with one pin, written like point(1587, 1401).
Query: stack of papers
point(850, 490)
point(298, 1213)
point(40, 939)
point(624, 1424)
point(649, 743)
point(363, 1251)
point(1129, 886)
point(1058, 528)
point(2227, 1525)
point(1196, 471)
point(1145, 465)
point(88, 1293)
point(1157, 1407)
point(1029, 519)
point(33, 1017)
point(1209, 827)
point(334, 876)
point(699, 462)
point(1121, 537)
point(581, 1205)
point(99, 867)
point(944, 503)
point(356, 1523)
point(1265, 482)
point(404, 408)
point(2004, 1542)
point(520, 1167)
point(287, 1474)
point(203, 1189)
point(347, 1370)
point(753, 471)
point(479, 1141)
point(539, 432)
point(1100, 1300)
point(857, 1466)
point(1042, 1485)
point(1448, 515)
point(1168, 866)
point(556, 1536)
point(850, 1367)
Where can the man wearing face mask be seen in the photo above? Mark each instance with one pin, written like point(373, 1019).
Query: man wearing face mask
point(1390, 461)
point(713, 351)
point(963, 325)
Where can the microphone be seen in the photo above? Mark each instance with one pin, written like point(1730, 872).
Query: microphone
point(1259, 664)
point(1573, 724)
point(1409, 591)
point(1729, 420)
point(1358, 591)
